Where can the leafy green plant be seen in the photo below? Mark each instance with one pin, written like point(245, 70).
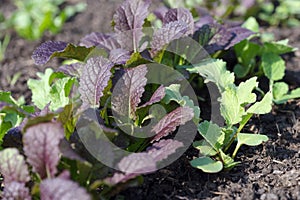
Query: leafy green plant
point(264, 60)
point(235, 109)
point(33, 17)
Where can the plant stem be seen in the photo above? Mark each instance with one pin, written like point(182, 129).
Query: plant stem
point(242, 124)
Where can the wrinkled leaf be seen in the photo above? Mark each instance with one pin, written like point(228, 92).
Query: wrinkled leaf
point(44, 52)
point(15, 190)
point(128, 22)
point(129, 90)
point(52, 49)
point(94, 78)
point(61, 189)
point(41, 146)
point(73, 70)
point(158, 95)
point(13, 166)
point(169, 123)
point(41, 89)
point(163, 149)
point(166, 34)
point(180, 14)
point(119, 56)
point(137, 163)
point(100, 40)
point(207, 164)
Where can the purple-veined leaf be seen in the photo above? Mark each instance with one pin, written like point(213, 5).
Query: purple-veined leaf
point(15, 190)
point(128, 22)
point(137, 163)
point(102, 40)
point(158, 95)
point(41, 146)
point(119, 56)
point(160, 12)
point(13, 166)
point(129, 90)
point(62, 189)
point(164, 148)
point(44, 52)
point(180, 14)
point(166, 34)
point(146, 162)
point(94, 78)
point(215, 37)
point(52, 49)
point(169, 123)
point(73, 70)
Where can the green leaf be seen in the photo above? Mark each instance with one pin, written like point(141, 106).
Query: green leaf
point(79, 53)
point(241, 71)
point(280, 89)
point(207, 164)
point(173, 94)
point(230, 106)
point(41, 89)
point(251, 139)
point(251, 24)
point(279, 47)
point(7, 98)
point(273, 66)
point(281, 95)
point(262, 107)
point(135, 60)
point(227, 160)
point(213, 70)
point(66, 117)
point(59, 93)
point(212, 133)
point(205, 148)
point(244, 91)
point(246, 52)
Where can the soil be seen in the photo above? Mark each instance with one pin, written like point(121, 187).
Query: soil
point(270, 171)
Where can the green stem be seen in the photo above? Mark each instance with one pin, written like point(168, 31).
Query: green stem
point(242, 124)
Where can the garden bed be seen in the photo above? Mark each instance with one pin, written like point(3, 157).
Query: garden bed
point(269, 171)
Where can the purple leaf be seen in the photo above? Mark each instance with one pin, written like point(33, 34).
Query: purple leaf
point(94, 78)
point(215, 37)
point(137, 163)
point(44, 52)
point(13, 166)
point(129, 90)
point(15, 190)
point(72, 70)
point(158, 95)
point(207, 19)
point(164, 148)
point(160, 12)
point(102, 40)
point(129, 19)
point(62, 189)
point(119, 56)
point(168, 33)
point(180, 14)
point(169, 123)
point(119, 178)
point(41, 146)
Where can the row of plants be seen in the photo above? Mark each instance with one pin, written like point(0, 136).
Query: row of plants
point(32, 18)
point(120, 106)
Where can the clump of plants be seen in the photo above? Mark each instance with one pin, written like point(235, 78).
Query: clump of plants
point(107, 102)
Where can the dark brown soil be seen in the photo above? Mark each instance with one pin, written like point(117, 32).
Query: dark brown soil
point(270, 171)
